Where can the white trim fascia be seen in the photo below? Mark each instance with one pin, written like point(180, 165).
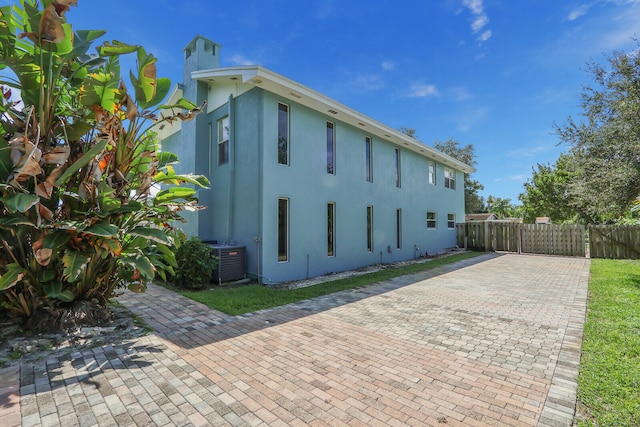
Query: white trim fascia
point(261, 77)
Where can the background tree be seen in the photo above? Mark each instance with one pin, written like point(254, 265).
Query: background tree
point(603, 161)
point(472, 201)
point(547, 193)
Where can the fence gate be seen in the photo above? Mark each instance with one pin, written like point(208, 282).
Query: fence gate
point(549, 239)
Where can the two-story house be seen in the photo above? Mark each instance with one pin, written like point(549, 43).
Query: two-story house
point(306, 184)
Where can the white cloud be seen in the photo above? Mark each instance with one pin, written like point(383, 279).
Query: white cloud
point(528, 152)
point(480, 19)
point(421, 90)
point(460, 94)
point(368, 82)
point(240, 59)
point(465, 120)
point(388, 65)
point(578, 12)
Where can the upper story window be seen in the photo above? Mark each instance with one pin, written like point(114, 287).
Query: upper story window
point(449, 178)
point(368, 148)
point(331, 148)
point(283, 134)
point(223, 140)
point(398, 169)
point(432, 172)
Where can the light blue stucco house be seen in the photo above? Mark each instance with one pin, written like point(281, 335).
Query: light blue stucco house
point(306, 184)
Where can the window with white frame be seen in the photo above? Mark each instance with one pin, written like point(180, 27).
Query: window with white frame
point(432, 172)
point(450, 178)
point(432, 221)
point(331, 229)
point(283, 134)
point(369, 228)
point(369, 158)
point(399, 228)
point(398, 169)
point(223, 140)
point(283, 230)
point(331, 148)
point(451, 221)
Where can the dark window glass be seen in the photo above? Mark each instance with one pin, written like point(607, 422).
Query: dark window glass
point(370, 228)
point(369, 159)
point(283, 230)
point(331, 149)
point(283, 134)
point(331, 229)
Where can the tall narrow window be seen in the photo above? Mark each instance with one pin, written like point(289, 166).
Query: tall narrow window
point(283, 230)
point(450, 178)
point(398, 170)
point(211, 135)
point(451, 221)
point(432, 172)
point(283, 134)
point(331, 229)
point(432, 222)
point(223, 140)
point(369, 158)
point(331, 149)
point(399, 228)
point(369, 228)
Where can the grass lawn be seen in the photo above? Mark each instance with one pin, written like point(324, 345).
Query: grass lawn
point(609, 379)
point(246, 299)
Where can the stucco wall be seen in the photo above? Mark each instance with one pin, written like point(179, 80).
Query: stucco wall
point(309, 188)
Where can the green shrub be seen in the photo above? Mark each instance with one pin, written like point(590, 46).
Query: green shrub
point(196, 262)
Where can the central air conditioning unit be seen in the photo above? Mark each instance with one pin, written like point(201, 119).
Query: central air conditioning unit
point(230, 263)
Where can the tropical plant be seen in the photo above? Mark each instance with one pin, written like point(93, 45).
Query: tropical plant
point(79, 162)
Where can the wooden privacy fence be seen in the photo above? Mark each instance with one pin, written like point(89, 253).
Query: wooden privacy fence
point(605, 241)
point(549, 239)
point(614, 241)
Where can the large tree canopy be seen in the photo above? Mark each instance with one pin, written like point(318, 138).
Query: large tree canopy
point(546, 193)
point(604, 157)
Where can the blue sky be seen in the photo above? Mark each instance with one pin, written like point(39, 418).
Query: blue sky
point(493, 73)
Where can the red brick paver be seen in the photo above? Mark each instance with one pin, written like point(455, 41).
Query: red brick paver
point(493, 341)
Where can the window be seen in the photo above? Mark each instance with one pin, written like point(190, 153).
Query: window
point(331, 149)
point(369, 158)
point(223, 140)
point(432, 172)
point(432, 222)
point(398, 174)
point(369, 228)
point(450, 178)
point(331, 229)
point(283, 230)
point(451, 221)
point(399, 228)
point(283, 134)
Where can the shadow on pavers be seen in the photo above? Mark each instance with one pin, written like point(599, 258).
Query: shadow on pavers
point(202, 333)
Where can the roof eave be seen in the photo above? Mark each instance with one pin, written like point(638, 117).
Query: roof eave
point(261, 77)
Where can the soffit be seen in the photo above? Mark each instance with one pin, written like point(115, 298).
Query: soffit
point(268, 80)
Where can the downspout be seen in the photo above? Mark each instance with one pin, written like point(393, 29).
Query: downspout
point(260, 141)
point(232, 166)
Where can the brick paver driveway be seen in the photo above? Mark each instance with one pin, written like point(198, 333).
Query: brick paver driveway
point(484, 342)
